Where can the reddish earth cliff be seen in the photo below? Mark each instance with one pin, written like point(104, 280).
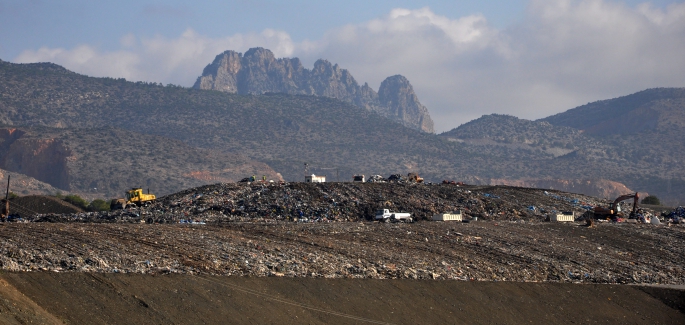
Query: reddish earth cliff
point(104, 162)
point(593, 187)
point(43, 159)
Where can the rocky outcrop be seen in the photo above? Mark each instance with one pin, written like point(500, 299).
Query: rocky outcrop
point(397, 95)
point(258, 72)
point(32, 156)
point(97, 163)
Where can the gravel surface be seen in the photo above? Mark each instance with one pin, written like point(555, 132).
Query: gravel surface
point(492, 251)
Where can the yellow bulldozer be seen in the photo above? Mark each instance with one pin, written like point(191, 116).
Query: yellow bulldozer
point(134, 196)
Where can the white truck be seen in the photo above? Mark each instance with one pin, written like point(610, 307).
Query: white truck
point(385, 215)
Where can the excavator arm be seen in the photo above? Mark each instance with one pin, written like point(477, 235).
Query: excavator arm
point(612, 210)
point(635, 198)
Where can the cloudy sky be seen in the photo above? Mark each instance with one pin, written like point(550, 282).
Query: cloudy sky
point(530, 59)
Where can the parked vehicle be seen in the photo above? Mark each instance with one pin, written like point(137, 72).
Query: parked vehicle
point(385, 215)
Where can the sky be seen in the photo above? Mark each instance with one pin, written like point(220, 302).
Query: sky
point(530, 59)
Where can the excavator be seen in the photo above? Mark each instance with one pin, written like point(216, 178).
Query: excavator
point(614, 209)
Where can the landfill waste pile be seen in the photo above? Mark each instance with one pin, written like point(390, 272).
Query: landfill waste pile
point(677, 215)
point(327, 202)
point(325, 230)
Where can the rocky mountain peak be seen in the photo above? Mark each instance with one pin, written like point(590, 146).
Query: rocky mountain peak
point(222, 73)
point(260, 53)
point(258, 71)
point(397, 94)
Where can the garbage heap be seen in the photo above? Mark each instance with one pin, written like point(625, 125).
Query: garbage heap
point(334, 202)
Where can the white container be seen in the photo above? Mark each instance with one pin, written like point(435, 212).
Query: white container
point(564, 217)
point(448, 216)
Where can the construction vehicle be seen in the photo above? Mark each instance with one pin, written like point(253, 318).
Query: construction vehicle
point(385, 215)
point(614, 209)
point(414, 178)
point(137, 197)
point(134, 196)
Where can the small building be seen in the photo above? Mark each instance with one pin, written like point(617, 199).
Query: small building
point(315, 179)
point(566, 216)
point(359, 178)
point(455, 216)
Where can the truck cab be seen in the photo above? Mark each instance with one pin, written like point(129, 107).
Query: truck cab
point(387, 215)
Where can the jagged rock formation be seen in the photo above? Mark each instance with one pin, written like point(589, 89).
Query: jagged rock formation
point(397, 94)
point(258, 72)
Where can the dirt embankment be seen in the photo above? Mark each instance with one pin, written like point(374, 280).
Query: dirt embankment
point(26, 206)
point(87, 298)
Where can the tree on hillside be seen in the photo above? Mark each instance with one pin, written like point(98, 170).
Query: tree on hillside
point(76, 200)
point(98, 205)
point(651, 200)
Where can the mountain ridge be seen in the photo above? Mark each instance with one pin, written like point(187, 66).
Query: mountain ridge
point(284, 131)
point(258, 71)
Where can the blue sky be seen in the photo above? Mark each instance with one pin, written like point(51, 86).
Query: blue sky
point(529, 59)
point(28, 24)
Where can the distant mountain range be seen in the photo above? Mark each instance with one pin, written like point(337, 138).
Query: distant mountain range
point(112, 134)
point(259, 72)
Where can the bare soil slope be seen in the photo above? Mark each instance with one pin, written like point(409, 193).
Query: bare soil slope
point(29, 205)
point(16, 308)
point(86, 298)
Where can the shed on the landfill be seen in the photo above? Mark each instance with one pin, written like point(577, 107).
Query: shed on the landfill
point(315, 179)
point(455, 216)
point(566, 216)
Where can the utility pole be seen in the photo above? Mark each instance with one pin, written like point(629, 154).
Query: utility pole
point(306, 170)
point(6, 210)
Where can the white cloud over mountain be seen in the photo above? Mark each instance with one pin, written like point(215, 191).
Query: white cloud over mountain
point(562, 54)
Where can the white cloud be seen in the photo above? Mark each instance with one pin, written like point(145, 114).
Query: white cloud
point(157, 59)
point(562, 54)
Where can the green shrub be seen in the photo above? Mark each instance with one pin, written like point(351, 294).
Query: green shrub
point(651, 200)
point(76, 200)
point(98, 205)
